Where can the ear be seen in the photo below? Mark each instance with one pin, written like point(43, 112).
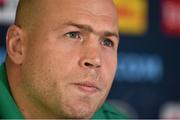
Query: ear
point(15, 44)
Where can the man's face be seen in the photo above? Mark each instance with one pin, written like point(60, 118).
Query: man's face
point(71, 57)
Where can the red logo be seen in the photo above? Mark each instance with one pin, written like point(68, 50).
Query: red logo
point(171, 17)
point(2, 2)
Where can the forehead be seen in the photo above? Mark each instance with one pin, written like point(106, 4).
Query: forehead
point(97, 7)
point(82, 11)
point(80, 3)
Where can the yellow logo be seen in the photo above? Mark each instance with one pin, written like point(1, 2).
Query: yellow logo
point(132, 16)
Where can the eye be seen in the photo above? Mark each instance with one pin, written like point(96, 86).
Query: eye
point(107, 42)
point(73, 35)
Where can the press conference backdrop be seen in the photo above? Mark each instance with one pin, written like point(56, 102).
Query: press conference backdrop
point(147, 82)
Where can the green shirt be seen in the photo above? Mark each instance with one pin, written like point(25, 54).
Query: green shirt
point(9, 109)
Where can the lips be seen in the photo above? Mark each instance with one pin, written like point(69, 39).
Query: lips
point(87, 87)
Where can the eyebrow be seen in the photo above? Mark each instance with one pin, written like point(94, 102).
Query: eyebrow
point(90, 29)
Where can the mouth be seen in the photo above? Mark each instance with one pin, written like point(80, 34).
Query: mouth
point(87, 87)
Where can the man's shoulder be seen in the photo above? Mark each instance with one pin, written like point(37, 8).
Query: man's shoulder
point(3, 76)
point(108, 111)
point(2, 73)
point(8, 108)
point(1, 67)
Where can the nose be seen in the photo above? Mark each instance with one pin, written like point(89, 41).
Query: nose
point(91, 55)
point(91, 63)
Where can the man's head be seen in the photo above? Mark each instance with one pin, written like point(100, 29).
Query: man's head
point(62, 56)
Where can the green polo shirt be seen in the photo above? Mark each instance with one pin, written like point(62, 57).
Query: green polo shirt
point(9, 109)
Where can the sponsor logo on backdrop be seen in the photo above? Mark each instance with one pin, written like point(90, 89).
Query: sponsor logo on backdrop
point(2, 3)
point(7, 11)
point(135, 67)
point(132, 16)
point(170, 17)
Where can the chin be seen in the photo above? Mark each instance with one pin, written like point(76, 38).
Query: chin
point(82, 116)
point(79, 115)
point(80, 112)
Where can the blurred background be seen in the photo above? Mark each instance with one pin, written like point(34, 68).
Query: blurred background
point(147, 82)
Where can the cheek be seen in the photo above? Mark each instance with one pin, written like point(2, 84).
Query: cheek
point(50, 68)
point(109, 69)
point(110, 63)
point(37, 65)
point(42, 77)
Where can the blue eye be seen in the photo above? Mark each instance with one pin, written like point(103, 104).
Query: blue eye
point(107, 42)
point(74, 35)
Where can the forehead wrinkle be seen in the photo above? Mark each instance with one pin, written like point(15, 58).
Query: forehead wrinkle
point(80, 26)
point(90, 29)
